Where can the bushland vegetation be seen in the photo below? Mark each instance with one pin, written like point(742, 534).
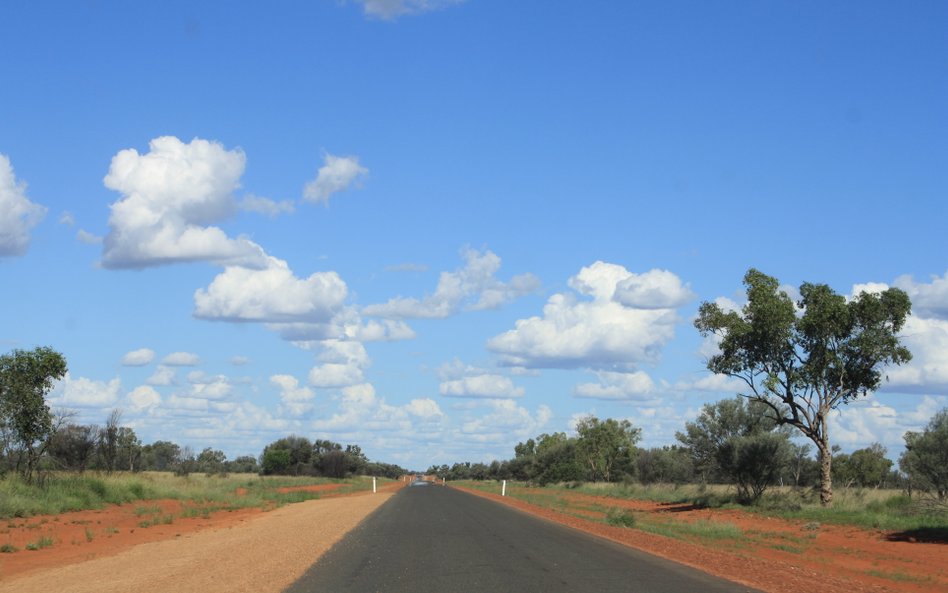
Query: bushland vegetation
point(734, 453)
point(49, 463)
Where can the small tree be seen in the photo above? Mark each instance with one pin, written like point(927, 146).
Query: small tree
point(866, 468)
point(72, 446)
point(108, 446)
point(25, 379)
point(602, 445)
point(718, 423)
point(754, 462)
point(925, 459)
point(804, 366)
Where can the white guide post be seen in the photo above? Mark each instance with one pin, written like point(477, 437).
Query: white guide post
point(373, 485)
point(503, 489)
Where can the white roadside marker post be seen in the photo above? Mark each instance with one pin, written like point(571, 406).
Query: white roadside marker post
point(373, 485)
point(503, 489)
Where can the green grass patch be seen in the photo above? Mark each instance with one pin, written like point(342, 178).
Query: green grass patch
point(8, 549)
point(43, 542)
point(150, 510)
point(899, 577)
point(620, 518)
point(63, 492)
point(887, 510)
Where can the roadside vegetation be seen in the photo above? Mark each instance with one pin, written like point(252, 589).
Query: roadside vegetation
point(50, 465)
point(63, 492)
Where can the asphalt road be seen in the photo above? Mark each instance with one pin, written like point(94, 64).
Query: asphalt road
point(431, 538)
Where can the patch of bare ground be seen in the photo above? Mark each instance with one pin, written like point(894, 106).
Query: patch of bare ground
point(227, 551)
point(771, 554)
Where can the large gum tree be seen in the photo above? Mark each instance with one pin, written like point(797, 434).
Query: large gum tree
point(803, 360)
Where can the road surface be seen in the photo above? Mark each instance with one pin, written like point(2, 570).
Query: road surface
point(431, 538)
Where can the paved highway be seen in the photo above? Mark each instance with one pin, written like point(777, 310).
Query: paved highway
point(431, 538)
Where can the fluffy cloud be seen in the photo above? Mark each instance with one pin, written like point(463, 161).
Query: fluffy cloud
point(85, 393)
point(18, 215)
point(928, 300)
point(343, 364)
point(655, 289)
point(337, 174)
point(635, 385)
point(265, 206)
point(391, 9)
point(360, 409)
point(484, 385)
point(144, 397)
point(505, 422)
point(164, 375)
point(869, 420)
point(473, 287)
point(927, 372)
point(84, 236)
point(181, 359)
point(925, 334)
point(170, 197)
point(272, 294)
point(597, 331)
point(138, 358)
point(295, 400)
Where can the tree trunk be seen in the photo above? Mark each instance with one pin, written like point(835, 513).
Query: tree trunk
point(826, 472)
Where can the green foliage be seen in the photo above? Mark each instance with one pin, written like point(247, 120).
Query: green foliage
point(864, 468)
point(753, 461)
point(72, 446)
point(669, 465)
point(43, 542)
point(804, 365)
point(25, 379)
point(925, 459)
point(275, 461)
point(606, 445)
point(557, 462)
point(620, 518)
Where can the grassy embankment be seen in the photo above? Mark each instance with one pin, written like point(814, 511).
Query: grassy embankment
point(887, 510)
point(74, 492)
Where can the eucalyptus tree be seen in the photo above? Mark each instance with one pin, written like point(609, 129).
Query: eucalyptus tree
point(26, 377)
point(803, 360)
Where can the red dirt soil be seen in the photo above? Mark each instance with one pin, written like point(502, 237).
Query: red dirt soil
point(780, 556)
point(83, 535)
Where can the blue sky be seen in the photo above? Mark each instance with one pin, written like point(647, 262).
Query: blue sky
point(436, 228)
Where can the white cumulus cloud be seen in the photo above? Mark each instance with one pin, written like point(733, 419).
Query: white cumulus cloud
point(295, 399)
point(144, 397)
point(171, 195)
point(272, 294)
point(589, 327)
point(928, 300)
point(181, 359)
point(635, 385)
point(85, 393)
point(265, 206)
point(483, 385)
point(472, 287)
point(337, 174)
point(163, 375)
point(18, 215)
point(138, 358)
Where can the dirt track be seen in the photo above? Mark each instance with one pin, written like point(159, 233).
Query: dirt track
point(262, 555)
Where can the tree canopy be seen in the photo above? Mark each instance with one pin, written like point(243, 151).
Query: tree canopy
point(804, 359)
point(26, 376)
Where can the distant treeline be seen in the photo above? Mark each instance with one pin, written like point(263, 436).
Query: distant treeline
point(732, 441)
point(113, 447)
